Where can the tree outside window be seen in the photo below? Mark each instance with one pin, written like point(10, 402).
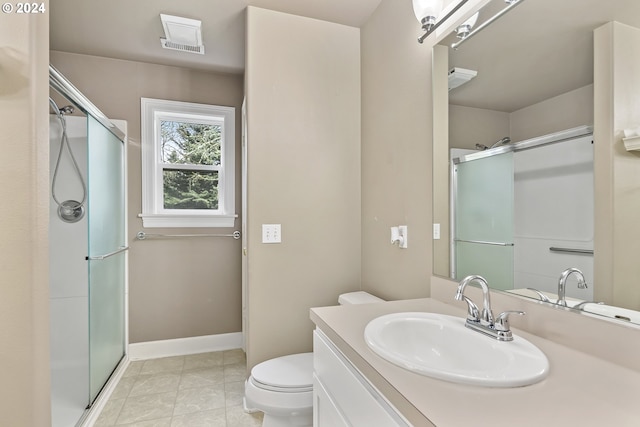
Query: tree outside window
point(190, 144)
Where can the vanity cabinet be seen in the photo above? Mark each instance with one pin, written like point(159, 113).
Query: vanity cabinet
point(342, 396)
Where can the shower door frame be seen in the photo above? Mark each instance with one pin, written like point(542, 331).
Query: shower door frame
point(527, 144)
point(118, 128)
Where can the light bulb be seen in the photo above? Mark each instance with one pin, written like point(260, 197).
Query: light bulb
point(464, 29)
point(427, 11)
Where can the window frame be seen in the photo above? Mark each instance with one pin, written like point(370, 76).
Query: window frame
point(153, 111)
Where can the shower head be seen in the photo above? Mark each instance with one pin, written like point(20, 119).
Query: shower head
point(67, 109)
point(503, 141)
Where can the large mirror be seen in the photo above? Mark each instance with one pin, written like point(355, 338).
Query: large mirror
point(535, 170)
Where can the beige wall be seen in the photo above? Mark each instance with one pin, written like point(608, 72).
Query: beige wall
point(565, 111)
point(303, 106)
point(396, 153)
point(617, 102)
point(470, 126)
point(183, 287)
point(24, 305)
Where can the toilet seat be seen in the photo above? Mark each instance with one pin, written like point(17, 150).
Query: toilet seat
point(286, 374)
point(282, 388)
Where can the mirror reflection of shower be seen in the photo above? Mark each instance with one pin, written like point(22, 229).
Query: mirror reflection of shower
point(68, 210)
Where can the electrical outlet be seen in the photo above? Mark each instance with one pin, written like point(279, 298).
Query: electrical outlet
point(436, 231)
point(271, 233)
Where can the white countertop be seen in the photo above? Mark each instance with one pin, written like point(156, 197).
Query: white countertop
point(580, 390)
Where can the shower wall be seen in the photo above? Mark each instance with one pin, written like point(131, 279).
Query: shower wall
point(553, 207)
point(68, 247)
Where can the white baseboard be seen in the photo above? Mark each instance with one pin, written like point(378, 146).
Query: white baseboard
point(183, 346)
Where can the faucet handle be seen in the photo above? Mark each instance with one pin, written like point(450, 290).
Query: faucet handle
point(473, 314)
point(580, 306)
point(502, 321)
point(542, 296)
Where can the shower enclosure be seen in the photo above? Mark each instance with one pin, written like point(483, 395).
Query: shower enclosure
point(523, 213)
point(483, 219)
point(87, 252)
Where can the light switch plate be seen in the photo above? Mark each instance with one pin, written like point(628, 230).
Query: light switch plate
point(436, 231)
point(271, 233)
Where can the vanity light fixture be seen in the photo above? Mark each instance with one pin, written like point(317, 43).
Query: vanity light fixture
point(510, 5)
point(427, 12)
point(464, 29)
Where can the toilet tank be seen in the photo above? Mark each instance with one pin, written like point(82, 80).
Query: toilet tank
point(358, 297)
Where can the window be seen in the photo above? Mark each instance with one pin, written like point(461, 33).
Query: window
point(187, 164)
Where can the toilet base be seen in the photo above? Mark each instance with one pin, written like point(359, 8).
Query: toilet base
point(280, 409)
point(303, 420)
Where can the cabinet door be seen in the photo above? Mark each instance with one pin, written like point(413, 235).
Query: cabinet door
point(358, 402)
point(325, 412)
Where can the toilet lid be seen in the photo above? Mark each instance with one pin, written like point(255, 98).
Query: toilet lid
point(286, 373)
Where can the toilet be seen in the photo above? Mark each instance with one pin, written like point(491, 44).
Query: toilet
point(282, 388)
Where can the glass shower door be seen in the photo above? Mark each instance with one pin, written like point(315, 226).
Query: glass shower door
point(106, 259)
point(483, 204)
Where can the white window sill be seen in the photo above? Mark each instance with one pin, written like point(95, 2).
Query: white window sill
point(193, 221)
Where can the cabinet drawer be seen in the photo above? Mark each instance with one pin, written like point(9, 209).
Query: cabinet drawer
point(355, 398)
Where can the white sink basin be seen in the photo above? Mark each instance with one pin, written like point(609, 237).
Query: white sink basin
point(440, 346)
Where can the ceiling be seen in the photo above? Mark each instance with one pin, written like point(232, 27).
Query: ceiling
point(540, 49)
point(131, 29)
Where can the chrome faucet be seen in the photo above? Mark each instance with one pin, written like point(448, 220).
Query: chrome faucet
point(485, 323)
point(487, 315)
point(562, 284)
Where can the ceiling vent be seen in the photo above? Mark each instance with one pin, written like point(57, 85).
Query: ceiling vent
point(460, 76)
point(182, 34)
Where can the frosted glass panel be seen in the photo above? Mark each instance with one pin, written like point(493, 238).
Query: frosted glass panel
point(494, 263)
point(106, 235)
point(106, 325)
point(484, 213)
point(484, 208)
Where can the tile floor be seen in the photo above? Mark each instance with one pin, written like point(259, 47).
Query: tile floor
point(200, 390)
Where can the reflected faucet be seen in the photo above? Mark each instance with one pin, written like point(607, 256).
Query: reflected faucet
point(484, 323)
point(562, 284)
